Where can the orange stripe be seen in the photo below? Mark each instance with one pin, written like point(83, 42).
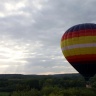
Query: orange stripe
point(88, 32)
point(79, 58)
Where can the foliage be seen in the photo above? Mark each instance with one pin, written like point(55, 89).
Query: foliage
point(32, 92)
point(5, 94)
point(72, 85)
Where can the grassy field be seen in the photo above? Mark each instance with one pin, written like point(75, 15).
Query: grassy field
point(4, 94)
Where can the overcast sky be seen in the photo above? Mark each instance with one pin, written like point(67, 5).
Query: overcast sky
point(31, 31)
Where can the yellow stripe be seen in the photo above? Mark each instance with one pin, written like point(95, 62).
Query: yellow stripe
point(78, 40)
point(79, 51)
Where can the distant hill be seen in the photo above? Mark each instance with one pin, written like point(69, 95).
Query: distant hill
point(21, 76)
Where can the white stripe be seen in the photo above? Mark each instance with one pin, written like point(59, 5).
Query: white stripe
point(79, 46)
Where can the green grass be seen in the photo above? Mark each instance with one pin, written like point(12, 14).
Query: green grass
point(4, 94)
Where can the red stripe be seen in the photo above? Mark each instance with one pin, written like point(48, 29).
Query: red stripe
point(79, 58)
point(89, 32)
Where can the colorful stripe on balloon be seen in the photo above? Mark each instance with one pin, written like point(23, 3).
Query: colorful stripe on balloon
point(79, 44)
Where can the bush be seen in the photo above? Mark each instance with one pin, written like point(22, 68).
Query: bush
point(32, 92)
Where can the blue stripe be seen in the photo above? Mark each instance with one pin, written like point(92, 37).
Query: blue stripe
point(81, 27)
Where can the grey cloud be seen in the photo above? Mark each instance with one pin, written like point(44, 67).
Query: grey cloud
point(45, 26)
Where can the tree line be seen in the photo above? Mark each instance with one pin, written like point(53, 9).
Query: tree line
point(47, 85)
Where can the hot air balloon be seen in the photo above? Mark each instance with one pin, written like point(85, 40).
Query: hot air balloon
point(78, 45)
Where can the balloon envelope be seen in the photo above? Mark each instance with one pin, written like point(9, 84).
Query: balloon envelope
point(78, 45)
